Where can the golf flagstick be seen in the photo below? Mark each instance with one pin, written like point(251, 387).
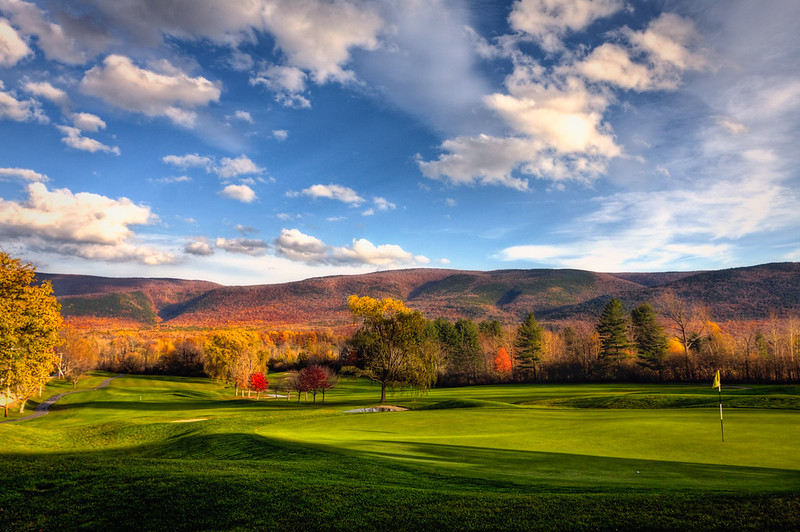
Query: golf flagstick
point(718, 385)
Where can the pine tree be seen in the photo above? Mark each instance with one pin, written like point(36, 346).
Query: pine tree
point(649, 338)
point(529, 346)
point(613, 334)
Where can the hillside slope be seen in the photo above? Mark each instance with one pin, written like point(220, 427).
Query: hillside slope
point(740, 293)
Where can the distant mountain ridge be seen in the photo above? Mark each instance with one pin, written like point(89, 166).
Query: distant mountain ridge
point(552, 294)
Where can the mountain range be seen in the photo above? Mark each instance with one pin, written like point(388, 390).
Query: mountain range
point(749, 293)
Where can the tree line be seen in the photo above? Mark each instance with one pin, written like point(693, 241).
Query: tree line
point(668, 340)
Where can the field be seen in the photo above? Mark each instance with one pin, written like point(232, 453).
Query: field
point(153, 453)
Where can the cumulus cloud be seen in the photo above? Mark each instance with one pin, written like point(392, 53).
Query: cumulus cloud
point(83, 224)
point(287, 82)
point(245, 246)
point(557, 114)
point(23, 173)
point(382, 204)
point(74, 139)
point(20, 110)
point(12, 48)
point(548, 21)
point(317, 36)
point(334, 192)
point(226, 168)
point(280, 134)
point(242, 165)
point(50, 37)
point(47, 91)
point(168, 92)
point(242, 193)
point(200, 248)
point(88, 122)
point(244, 116)
point(297, 246)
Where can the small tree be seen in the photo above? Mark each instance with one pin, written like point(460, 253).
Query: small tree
point(258, 383)
point(316, 379)
point(502, 361)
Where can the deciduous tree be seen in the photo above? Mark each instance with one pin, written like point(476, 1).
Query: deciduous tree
point(30, 319)
point(394, 346)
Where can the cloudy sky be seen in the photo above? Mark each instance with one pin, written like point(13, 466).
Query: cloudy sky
point(259, 141)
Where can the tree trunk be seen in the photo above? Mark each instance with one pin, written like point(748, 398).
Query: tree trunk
point(22, 405)
point(383, 392)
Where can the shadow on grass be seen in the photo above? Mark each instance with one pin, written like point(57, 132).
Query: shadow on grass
point(196, 481)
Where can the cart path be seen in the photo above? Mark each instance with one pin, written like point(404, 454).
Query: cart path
point(44, 408)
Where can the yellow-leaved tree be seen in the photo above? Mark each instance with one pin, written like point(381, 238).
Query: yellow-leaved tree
point(395, 345)
point(30, 318)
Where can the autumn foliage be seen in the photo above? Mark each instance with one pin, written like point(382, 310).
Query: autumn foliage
point(502, 361)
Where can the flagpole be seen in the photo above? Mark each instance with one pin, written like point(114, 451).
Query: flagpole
point(721, 426)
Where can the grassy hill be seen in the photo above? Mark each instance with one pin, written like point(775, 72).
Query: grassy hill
point(507, 295)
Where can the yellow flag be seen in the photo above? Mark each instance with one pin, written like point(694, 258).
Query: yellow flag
point(717, 384)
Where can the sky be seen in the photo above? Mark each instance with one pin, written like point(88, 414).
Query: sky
point(266, 141)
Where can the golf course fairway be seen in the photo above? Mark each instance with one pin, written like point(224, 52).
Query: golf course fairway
point(155, 453)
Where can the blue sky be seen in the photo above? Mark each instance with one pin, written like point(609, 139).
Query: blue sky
point(264, 141)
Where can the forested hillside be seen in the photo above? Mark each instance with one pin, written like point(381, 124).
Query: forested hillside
point(750, 293)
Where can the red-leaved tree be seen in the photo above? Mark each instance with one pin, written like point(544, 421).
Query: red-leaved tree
point(316, 379)
point(258, 383)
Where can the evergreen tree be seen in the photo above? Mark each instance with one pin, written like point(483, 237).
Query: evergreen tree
point(529, 347)
point(649, 338)
point(613, 334)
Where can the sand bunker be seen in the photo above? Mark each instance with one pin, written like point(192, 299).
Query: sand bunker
point(382, 408)
point(190, 420)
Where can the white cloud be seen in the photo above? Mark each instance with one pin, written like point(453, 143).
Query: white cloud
point(731, 125)
point(317, 36)
point(241, 165)
point(168, 92)
point(244, 116)
point(362, 251)
point(382, 204)
point(368, 212)
point(287, 82)
point(88, 122)
point(199, 247)
point(175, 179)
point(12, 48)
point(50, 38)
point(548, 21)
point(83, 224)
point(47, 91)
point(74, 139)
point(334, 192)
point(280, 134)
point(20, 110)
point(484, 160)
point(241, 193)
point(23, 173)
point(189, 160)
point(670, 42)
point(297, 246)
point(245, 246)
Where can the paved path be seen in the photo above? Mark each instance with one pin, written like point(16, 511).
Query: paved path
point(44, 408)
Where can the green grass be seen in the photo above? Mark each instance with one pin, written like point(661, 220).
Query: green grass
point(550, 457)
